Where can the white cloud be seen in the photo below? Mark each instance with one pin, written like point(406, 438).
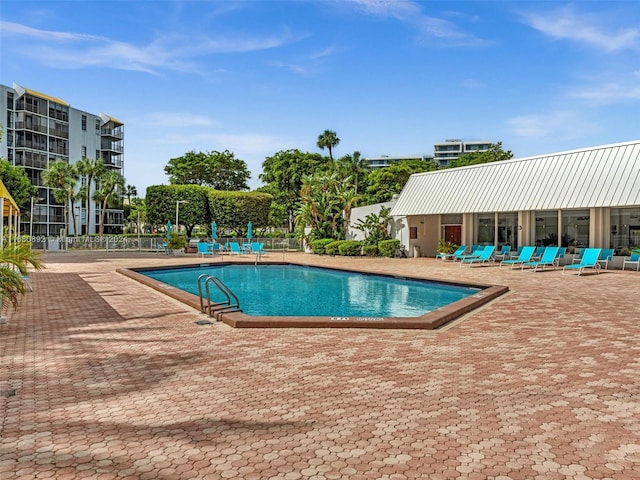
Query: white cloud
point(608, 93)
point(174, 52)
point(410, 12)
point(566, 124)
point(565, 24)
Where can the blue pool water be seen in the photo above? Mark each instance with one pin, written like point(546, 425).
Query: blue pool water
point(292, 290)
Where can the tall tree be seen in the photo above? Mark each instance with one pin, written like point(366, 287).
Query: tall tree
point(110, 183)
point(385, 182)
point(328, 139)
point(18, 184)
point(494, 154)
point(91, 169)
point(62, 178)
point(284, 171)
point(351, 166)
point(219, 170)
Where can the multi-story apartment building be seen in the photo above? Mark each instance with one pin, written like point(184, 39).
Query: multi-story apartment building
point(386, 160)
point(40, 129)
point(449, 150)
point(444, 153)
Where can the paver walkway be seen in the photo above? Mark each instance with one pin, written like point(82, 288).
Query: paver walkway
point(104, 378)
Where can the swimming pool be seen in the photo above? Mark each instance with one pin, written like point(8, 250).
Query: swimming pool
point(279, 290)
point(300, 293)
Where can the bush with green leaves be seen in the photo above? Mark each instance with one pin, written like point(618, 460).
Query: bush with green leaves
point(318, 246)
point(176, 242)
point(370, 250)
point(350, 248)
point(333, 247)
point(387, 248)
point(444, 246)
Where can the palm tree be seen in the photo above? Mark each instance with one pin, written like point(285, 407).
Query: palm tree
point(110, 182)
point(328, 139)
point(130, 191)
point(62, 177)
point(349, 199)
point(14, 259)
point(91, 169)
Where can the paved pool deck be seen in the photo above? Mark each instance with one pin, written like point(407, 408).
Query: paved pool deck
point(102, 377)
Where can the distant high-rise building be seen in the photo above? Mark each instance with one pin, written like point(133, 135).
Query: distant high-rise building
point(386, 160)
point(40, 129)
point(449, 150)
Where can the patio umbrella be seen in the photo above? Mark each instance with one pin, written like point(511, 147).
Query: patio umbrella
point(249, 231)
point(214, 230)
point(169, 230)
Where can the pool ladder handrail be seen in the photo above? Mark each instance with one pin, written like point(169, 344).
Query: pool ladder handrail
point(216, 308)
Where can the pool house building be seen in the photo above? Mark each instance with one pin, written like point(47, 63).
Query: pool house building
point(580, 198)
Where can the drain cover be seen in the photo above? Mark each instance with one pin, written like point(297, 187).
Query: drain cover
point(203, 322)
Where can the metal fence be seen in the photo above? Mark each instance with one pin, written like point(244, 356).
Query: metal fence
point(146, 244)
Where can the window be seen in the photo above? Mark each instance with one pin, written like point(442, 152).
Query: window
point(546, 230)
point(84, 123)
point(486, 223)
point(97, 126)
point(84, 152)
point(508, 229)
point(575, 228)
point(625, 228)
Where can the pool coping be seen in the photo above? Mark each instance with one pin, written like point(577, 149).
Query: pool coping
point(429, 321)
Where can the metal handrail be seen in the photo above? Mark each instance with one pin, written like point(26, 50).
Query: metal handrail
point(217, 307)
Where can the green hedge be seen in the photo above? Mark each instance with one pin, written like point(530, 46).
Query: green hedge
point(387, 248)
point(334, 247)
point(370, 250)
point(318, 246)
point(350, 248)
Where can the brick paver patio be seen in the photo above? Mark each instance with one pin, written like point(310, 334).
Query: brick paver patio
point(104, 378)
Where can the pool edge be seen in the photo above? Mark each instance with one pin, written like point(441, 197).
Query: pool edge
point(429, 321)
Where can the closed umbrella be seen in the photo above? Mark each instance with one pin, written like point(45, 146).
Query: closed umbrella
point(169, 230)
point(214, 230)
point(249, 231)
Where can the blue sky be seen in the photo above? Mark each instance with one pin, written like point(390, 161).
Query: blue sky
point(390, 77)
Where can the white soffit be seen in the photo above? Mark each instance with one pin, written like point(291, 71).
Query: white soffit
point(604, 176)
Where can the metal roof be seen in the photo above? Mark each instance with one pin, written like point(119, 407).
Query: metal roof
point(604, 176)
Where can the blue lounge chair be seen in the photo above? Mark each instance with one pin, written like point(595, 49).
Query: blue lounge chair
point(486, 256)
point(451, 256)
point(589, 260)
point(548, 259)
point(525, 256)
point(517, 253)
point(257, 248)
point(505, 252)
point(476, 251)
point(634, 259)
point(562, 251)
point(606, 256)
point(235, 248)
point(537, 255)
point(204, 249)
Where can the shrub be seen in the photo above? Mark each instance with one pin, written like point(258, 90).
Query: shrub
point(176, 242)
point(350, 248)
point(333, 247)
point(387, 248)
point(318, 246)
point(370, 250)
point(445, 246)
